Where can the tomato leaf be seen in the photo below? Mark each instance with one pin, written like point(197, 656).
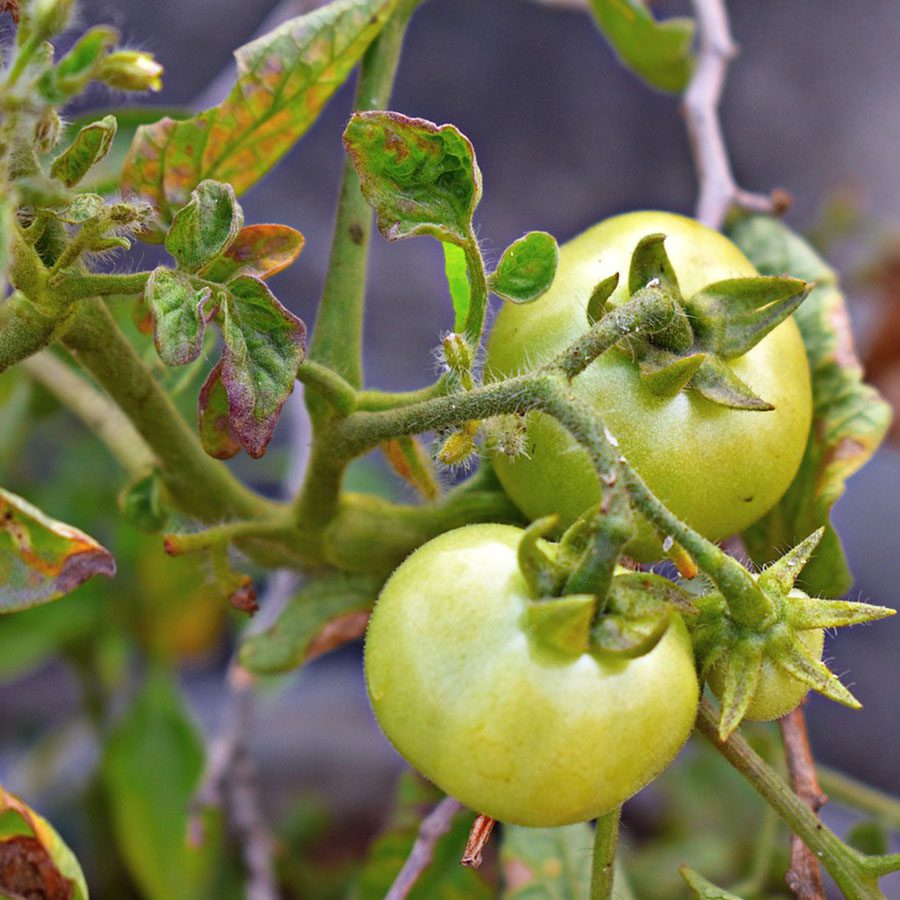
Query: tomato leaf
point(141, 504)
point(444, 878)
point(527, 268)
point(658, 52)
point(177, 312)
point(420, 178)
point(151, 768)
point(42, 559)
point(457, 274)
point(33, 852)
point(205, 226)
point(284, 79)
point(258, 250)
point(327, 610)
point(850, 418)
point(216, 434)
point(91, 144)
point(702, 889)
point(546, 862)
point(264, 345)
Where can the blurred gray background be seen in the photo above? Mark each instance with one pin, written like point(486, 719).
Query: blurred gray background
point(565, 137)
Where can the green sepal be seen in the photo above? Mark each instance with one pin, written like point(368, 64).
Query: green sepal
point(420, 178)
point(141, 504)
point(633, 623)
point(666, 374)
point(597, 305)
point(656, 586)
point(781, 575)
point(716, 381)
point(563, 623)
point(543, 573)
point(178, 315)
point(206, 226)
point(526, 269)
point(806, 613)
point(703, 889)
point(743, 669)
point(71, 75)
point(91, 144)
point(798, 663)
point(651, 267)
point(732, 316)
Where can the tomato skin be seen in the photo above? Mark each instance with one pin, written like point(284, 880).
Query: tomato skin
point(510, 727)
point(717, 469)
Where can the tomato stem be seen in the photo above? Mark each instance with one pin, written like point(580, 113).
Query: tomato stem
point(606, 839)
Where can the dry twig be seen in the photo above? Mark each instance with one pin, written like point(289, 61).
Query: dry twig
point(435, 824)
point(804, 877)
point(718, 190)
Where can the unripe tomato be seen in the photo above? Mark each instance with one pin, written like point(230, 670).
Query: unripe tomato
point(507, 724)
point(716, 468)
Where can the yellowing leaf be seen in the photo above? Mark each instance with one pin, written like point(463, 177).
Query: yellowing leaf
point(42, 559)
point(284, 79)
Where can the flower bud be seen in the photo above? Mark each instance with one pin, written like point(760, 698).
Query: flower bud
point(458, 448)
point(131, 70)
point(50, 17)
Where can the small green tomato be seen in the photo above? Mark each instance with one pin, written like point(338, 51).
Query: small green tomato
point(508, 725)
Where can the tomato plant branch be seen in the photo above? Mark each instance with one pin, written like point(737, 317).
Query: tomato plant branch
point(199, 484)
point(606, 838)
point(436, 824)
point(94, 409)
point(337, 338)
point(718, 189)
point(331, 387)
point(804, 877)
point(855, 874)
point(79, 287)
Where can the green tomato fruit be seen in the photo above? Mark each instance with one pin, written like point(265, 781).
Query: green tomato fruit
point(716, 468)
point(777, 692)
point(508, 725)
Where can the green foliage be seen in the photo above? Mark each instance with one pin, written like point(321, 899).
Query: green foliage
point(526, 269)
point(323, 614)
point(177, 310)
point(42, 559)
point(849, 417)
point(284, 80)
point(420, 178)
point(455, 270)
point(151, 768)
point(658, 52)
point(205, 227)
point(444, 878)
point(546, 863)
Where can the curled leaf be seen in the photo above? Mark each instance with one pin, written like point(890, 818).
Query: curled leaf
point(258, 250)
point(91, 144)
point(42, 559)
point(177, 312)
point(205, 226)
point(420, 178)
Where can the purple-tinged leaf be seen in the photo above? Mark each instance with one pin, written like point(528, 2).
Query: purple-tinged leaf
point(42, 559)
point(420, 178)
point(205, 226)
point(526, 269)
point(264, 345)
point(216, 434)
point(258, 250)
point(177, 312)
point(284, 79)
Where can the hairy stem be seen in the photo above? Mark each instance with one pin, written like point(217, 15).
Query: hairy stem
point(79, 287)
point(198, 484)
point(337, 338)
point(854, 873)
point(606, 839)
point(479, 292)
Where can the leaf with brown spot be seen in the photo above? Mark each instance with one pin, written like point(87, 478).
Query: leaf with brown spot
point(324, 615)
point(42, 559)
point(850, 418)
point(284, 79)
point(258, 250)
point(34, 861)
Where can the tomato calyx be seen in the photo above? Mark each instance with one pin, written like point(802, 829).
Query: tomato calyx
point(584, 602)
point(742, 651)
point(720, 322)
